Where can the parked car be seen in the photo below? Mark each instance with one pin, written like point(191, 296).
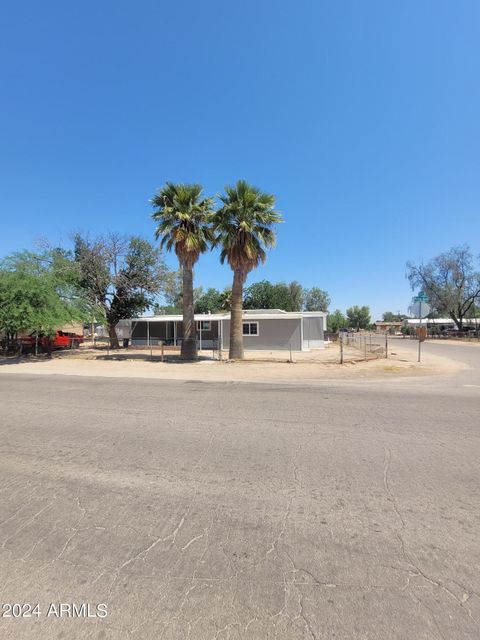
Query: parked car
point(61, 340)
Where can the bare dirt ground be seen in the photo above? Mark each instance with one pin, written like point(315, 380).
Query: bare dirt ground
point(307, 366)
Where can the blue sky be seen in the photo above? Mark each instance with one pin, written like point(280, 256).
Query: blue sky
point(363, 117)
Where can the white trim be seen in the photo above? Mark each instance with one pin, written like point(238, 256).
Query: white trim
point(250, 335)
point(246, 317)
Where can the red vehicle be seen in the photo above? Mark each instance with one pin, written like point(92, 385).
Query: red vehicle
point(61, 340)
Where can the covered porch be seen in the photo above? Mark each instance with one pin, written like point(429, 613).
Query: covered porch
point(168, 331)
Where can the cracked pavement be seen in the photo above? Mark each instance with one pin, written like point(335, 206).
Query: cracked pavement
point(339, 510)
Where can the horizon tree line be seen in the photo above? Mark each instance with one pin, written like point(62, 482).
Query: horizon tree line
point(114, 277)
point(258, 295)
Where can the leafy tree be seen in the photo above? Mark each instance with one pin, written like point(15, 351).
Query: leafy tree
point(268, 295)
point(316, 299)
point(173, 291)
point(358, 317)
point(119, 276)
point(336, 321)
point(166, 310)
point(389, 316)
point(210, 301)
point(243, 230)
point(474, 312)
point(39, 292)
point(183, 215)
point(265, 295)
point(450, 281)
point(226, 299)
point(296, 295)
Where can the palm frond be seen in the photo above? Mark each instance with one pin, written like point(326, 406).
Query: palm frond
point(242, 226)
point(183, 217)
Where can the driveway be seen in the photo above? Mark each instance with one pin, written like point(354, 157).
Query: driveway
point(345, 510)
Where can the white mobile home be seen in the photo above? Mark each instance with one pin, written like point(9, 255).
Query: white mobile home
point(263, 329)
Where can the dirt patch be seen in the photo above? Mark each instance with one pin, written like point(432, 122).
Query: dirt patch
point(323, 366)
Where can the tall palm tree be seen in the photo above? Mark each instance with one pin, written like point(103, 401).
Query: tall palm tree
point(183, 216)
point(243, 229)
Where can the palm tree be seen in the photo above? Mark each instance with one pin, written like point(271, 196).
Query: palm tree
point(243, 229)
point(183, 216)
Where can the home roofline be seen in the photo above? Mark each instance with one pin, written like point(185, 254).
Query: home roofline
point(284, 315)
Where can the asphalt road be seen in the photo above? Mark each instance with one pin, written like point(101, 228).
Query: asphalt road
point(340, 511)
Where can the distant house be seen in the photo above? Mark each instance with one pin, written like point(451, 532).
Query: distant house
point(263, 329)
point(442, 324)
point(388, 327)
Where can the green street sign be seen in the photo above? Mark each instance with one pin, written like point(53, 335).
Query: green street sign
point(421, 297)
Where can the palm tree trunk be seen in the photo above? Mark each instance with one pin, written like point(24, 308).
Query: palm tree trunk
point(236, 332)
point(189, 342)
point(112, 334)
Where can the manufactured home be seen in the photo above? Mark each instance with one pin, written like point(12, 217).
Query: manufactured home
point(263, 330)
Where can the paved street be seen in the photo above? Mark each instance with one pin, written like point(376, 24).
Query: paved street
point(343, 510)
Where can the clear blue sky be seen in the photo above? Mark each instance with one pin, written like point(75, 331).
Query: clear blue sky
point(363, 117)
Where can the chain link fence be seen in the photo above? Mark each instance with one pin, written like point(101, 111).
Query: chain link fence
point(369, 346)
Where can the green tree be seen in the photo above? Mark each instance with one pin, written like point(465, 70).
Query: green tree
point(173, 290)
point(265, 295)
point(316, 299)
point(183, 217)
point(389, 316)
point(451, 282)
point(173, 294)
point(210, 302)
point(226, 299)
point(296, 295)
point(119, 276)
point(243, 230)
point(39, 292)
point(358, 317)
point(336, 321)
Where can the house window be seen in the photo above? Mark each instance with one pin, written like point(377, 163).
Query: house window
point(250, 329)
point(204, 325)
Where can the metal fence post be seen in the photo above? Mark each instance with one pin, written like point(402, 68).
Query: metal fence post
point(341, 348)
point(365, 337)
point(386, 345)
point(148, 339)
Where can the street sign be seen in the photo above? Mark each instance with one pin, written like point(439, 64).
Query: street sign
point(420, 309)
point(421, 297)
